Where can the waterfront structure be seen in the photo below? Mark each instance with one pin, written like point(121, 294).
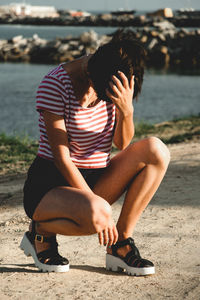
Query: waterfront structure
point(26, 10)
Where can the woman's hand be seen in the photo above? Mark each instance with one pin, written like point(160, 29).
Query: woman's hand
point(109, 235)
point(122, 93)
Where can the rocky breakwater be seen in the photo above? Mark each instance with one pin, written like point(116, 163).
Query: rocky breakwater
point(166, 47)
point(107, 19)
point(65, 19)
point(37, 50)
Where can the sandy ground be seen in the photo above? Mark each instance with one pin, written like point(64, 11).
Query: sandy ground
point(167, 233)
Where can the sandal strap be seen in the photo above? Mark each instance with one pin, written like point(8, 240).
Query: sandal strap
point(36, 237)
point(54, 258)
point(44, 239)
point(51, 255)
point(132, 258)
point(129, 241)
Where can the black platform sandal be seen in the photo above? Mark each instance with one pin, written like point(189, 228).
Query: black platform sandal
point(46, 261)
point(132, 263)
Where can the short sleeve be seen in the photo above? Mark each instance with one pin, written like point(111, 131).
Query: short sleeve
point(50, 96)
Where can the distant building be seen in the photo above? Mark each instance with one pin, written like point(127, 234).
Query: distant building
point(23, 10)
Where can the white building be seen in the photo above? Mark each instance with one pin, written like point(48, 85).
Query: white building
point(22, 9)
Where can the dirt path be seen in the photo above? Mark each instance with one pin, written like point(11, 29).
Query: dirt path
point(167, 233)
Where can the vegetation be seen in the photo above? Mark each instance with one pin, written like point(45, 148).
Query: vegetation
point(176, 131)
point(17, 153)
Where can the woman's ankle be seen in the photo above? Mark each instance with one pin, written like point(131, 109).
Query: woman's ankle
point(122, 252)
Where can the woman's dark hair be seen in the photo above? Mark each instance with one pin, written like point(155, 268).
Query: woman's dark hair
point(122, 53)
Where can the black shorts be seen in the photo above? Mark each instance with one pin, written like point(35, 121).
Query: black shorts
point(44, 176)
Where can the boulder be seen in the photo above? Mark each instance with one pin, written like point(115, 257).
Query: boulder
point(164, 25)
point(165, 12)
point(151, 44)
point(17, 39)
point(88, 38)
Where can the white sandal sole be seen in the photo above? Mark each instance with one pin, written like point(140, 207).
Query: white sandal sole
point(116, 264)
point(29, 250)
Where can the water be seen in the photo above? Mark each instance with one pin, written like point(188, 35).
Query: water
point(49, 32)
point(165, 96)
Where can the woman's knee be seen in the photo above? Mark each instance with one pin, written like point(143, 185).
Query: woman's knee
point(157, 152)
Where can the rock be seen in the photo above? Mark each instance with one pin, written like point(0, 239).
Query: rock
point(37, 40)
point(151, 44)
point(63, 48)
point(88, 38)
point(164, 25)
point(17, 38)
point(144, 39)
point(163, 49)
point(73, 45)
point(197, 31)
point(106, 17)
point(3, 43)
point(154, 33)
point(159, 57)
point(169, 47)
point(161, 37)
point(165, 12)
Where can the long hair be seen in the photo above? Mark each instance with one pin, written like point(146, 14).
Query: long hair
point(122, 53)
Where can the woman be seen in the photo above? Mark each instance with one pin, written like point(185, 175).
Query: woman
point(83, 106)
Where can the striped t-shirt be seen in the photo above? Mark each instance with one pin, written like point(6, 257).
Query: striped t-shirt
point(90, 130)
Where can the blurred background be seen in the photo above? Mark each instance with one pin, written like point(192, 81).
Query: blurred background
point(31, 45)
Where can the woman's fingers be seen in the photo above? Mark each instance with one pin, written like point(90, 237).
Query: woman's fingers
point(124, 79)
point(100, 236)
point(114, 88)
point(117, 82)
point(110, 236)
point(115, 235)
point(105, 237)
point(132, 82)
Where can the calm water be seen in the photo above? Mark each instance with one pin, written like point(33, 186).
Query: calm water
point(49, 32)
point(164, 97)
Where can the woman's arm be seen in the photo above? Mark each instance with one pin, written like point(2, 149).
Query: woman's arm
point(57, 136)
point(58, 140)
point(124, 130)
point(122, 97)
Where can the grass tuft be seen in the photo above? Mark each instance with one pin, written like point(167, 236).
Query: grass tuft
point(16, 153)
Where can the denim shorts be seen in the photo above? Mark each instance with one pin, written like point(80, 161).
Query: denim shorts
point(43, 176)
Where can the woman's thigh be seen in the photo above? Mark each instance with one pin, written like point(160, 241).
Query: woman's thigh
point(126, 165)
point(84, 208)
point(63, 202)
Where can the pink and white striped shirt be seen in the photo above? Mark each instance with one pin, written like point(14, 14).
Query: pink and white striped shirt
point(90, 130)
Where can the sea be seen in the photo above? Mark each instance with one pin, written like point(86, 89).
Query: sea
point(165, 95)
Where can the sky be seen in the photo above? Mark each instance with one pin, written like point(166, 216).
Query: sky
point(95, 5)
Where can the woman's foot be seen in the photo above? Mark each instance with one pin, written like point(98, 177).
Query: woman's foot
point(44, 250)
point(124, 255)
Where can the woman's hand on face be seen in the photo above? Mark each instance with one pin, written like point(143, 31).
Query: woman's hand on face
point(122, 93)
point(109, 235)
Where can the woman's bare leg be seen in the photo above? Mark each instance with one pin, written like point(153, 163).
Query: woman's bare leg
point(69, 211)
point(139, 169)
